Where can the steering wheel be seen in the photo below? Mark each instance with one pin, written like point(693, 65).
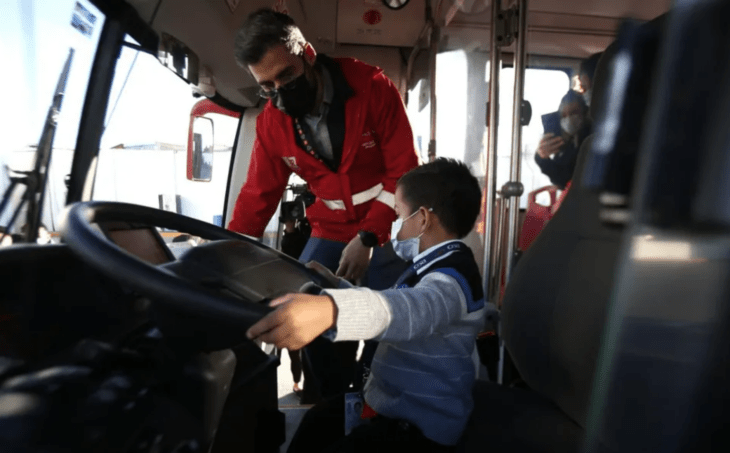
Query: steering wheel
point(161, 284)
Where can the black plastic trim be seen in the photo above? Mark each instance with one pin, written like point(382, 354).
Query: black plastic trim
point(91, 126)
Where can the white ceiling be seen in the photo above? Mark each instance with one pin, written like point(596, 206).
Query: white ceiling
point(572, 28)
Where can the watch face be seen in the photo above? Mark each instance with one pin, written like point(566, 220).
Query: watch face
point(368, 239)
point(395, 4)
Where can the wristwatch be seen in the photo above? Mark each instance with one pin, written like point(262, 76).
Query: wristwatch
point(368, 239)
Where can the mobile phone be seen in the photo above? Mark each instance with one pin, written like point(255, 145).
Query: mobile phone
point(551, 123)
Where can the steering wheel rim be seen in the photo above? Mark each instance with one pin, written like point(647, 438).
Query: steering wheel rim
point(92, 247)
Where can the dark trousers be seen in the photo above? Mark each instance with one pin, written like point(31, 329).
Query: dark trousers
point(295, 359)
point(329, 368)
point(323, 430)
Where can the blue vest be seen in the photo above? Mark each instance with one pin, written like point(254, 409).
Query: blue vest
point(460, 265)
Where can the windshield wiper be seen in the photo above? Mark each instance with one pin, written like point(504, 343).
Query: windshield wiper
point(35, 180)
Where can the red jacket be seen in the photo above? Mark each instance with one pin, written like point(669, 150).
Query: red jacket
point(378, 148)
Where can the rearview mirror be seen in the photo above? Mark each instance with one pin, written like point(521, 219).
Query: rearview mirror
point(178, 57)
point(202, 149)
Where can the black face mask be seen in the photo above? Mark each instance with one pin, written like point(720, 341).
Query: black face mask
point(296, 99)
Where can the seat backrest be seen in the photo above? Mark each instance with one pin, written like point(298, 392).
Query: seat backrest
point(555, 305)
point(665, 367)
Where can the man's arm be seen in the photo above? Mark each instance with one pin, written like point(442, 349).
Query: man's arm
point(260, 194)
point(395, 138)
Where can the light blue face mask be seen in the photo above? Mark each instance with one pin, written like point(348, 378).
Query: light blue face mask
point(406, 249)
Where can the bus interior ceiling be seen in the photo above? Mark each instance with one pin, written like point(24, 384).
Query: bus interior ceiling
point(568, 29)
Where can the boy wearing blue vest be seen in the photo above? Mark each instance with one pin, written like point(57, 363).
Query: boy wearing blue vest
point(418, 394)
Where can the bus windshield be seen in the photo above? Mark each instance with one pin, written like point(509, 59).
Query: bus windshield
point(143, 153)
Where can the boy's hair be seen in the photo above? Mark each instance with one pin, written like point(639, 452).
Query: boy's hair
point(448, 187)
point(264, 29)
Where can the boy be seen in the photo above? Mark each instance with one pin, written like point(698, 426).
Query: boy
point(419, 389)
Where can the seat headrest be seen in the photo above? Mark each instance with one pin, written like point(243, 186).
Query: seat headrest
point(611, 168)
point(600, 81)
point(601, 77)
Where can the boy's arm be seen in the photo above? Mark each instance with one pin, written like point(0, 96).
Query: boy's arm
point(362, 314)
point(398, 314)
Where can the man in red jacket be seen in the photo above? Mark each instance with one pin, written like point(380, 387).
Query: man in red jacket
point(340, 124)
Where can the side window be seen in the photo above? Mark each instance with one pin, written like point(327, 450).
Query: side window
point(544, 88)
point(143, 156)
point(463, 137)
point(451, 118)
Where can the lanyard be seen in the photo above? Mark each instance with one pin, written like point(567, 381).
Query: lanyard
point(439, 252)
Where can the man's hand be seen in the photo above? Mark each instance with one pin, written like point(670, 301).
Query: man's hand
point(299, 319)
point(549, 145)
point(354, 260)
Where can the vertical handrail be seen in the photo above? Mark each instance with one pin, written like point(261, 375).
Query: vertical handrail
point(490, 178)
point(516, 158)
point(432, 82)
point(498, 285)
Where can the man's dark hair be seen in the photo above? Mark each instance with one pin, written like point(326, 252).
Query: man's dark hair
point(448, 187)
point(588, 66)
point(264, 29)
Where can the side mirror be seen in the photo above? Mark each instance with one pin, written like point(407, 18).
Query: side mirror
point(200, 139)
point(202, 149)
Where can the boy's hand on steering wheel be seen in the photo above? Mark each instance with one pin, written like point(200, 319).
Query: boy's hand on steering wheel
point(354, 261)
point(298, 319)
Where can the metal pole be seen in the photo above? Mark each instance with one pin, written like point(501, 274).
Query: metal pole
point(432, 80)
point(497, 297)
point(490, 178)
point(516, 159)
point(499, 250)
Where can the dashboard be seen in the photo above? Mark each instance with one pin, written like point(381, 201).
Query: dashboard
point(144, 242)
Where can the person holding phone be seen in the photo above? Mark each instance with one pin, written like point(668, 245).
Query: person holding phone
point(565, 131)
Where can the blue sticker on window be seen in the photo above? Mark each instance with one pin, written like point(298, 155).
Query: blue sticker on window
point(83, 20)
